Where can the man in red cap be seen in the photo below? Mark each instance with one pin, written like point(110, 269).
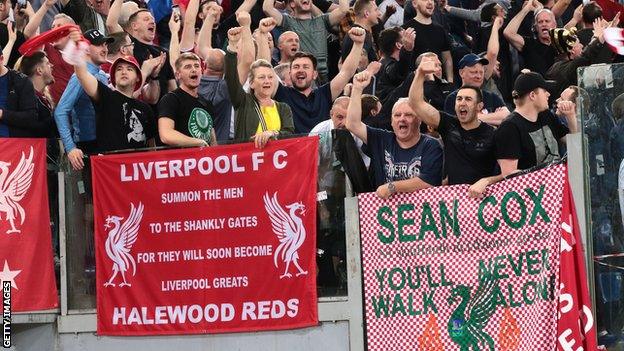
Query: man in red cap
point(122, 122)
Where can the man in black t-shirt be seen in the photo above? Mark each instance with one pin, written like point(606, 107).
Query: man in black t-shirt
point(469, 156)
point(530, 135)
point(184, 119)
point(537, 53)
point(142, 30)
point(122, 122)
point(430, 36)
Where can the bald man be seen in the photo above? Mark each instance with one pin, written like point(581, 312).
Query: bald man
point(288, 44)
point(213, 89)
point(338, 120)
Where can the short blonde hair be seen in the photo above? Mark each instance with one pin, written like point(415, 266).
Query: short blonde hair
point(257, 64)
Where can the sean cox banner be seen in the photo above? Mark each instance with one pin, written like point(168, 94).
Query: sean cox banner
point(206, 240)
point(446, 272)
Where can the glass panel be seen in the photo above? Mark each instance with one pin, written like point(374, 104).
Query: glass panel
point(602, 112)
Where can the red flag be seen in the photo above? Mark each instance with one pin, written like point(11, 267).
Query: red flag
point(206, 240)
point(25, 239)
point(576, 328)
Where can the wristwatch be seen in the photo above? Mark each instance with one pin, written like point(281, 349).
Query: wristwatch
point(392, 188)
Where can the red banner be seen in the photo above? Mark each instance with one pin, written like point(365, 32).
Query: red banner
point(576, 329)
point(206, 240)
point(25, 238)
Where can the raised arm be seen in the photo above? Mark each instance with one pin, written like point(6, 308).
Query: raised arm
point(447, 60)
point(465, 14)
point(511, 31)
point(350, 64)
point(35, 21)
point(338, 14)
point(354, 112)
point(204, 40)
point(560, 7)
point(424, 110)
point(246, 48)
point(265, 27)
point(246, 6)
point(577, 18)
point(268, 6)
point(8, 48)
point(187, 41)
point(112, 19)
point(174, 44)
point(88, 81)
point(493, 47)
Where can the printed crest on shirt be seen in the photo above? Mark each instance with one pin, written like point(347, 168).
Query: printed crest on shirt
point(200, 124)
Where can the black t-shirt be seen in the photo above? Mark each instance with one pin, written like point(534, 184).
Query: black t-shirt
point(391, 162)
point(369, 47)
point(192, 116)
point(430, 37)
point(538, 57)
point(468, 154)
point(143, 51)
point(122, 122)
point(531, 143)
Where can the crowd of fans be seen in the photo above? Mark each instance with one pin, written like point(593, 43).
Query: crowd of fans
point(131, 75)
point(432, 92)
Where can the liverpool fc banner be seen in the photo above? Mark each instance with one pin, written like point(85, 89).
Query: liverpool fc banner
point(206, 240)
point(446, 272)
point(27, 267)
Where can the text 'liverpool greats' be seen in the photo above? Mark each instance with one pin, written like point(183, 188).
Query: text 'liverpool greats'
point(511, 209)
point(207, 165)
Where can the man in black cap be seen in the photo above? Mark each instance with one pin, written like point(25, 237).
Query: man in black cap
point(74, 114)
point(530, 135)
point(472, 73)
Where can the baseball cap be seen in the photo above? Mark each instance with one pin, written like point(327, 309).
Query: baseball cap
point(527, 82)
point(95, 37)
point(471, 60)
point(131, 60)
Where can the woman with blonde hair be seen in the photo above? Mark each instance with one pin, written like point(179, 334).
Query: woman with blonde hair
point(258, 116)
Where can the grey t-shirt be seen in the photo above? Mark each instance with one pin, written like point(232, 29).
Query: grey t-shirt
point(312, 36)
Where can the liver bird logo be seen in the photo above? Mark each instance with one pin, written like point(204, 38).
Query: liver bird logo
point(467, 324)
point(290, 231)
point(121, 237)
point(13, 187)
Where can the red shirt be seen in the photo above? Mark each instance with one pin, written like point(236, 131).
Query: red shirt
point(61, 71)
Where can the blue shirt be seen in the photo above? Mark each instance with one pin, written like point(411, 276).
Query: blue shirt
point(75, 111)
point(214, 90)
point(308, 111)
point(391, 162)
point(4, 95)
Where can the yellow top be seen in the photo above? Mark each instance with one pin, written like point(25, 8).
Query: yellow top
point(271, 117)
